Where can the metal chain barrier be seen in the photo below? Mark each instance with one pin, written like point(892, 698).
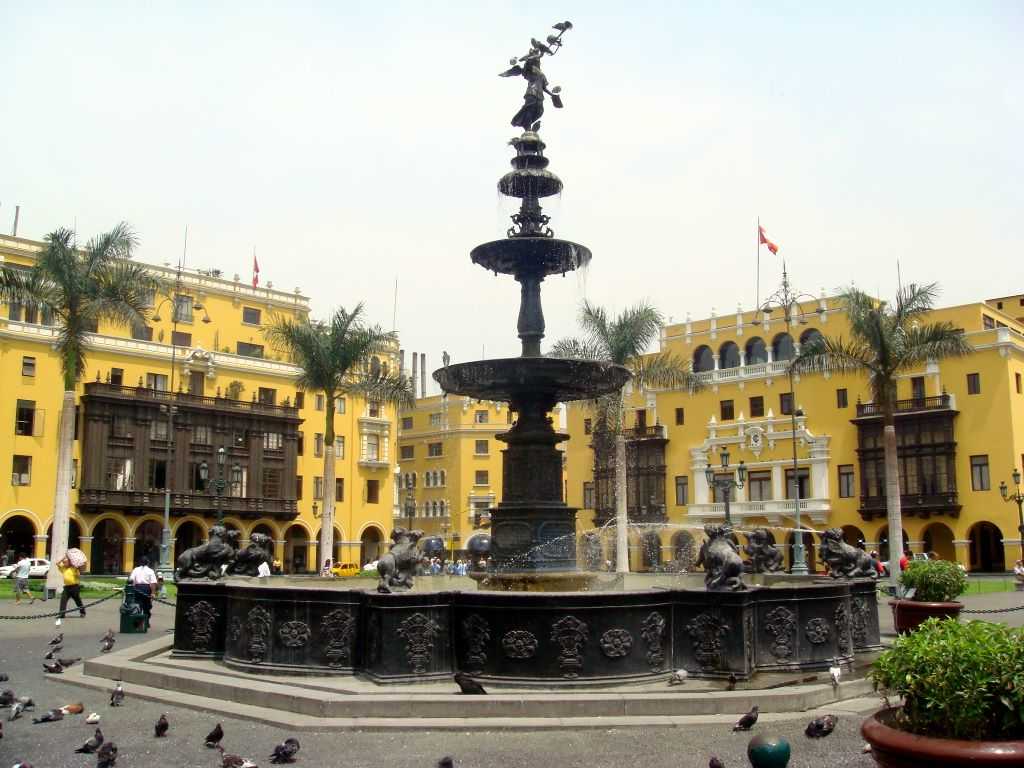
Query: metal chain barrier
point(156, 599)
point(72, 609)
point(993, 610)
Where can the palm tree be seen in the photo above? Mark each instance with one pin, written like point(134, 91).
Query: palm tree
point(623, 340)
point(79, 287)
point(885, 341)
point(337, 358)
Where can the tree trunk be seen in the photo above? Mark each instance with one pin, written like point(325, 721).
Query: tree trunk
point(62, 493)
point(327, 521)
point(621, 516)
point(892, 500)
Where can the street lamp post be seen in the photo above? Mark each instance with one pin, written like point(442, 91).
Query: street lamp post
point(218, 484)
point(727, 483)
point(788, 300)
point(1017, 498)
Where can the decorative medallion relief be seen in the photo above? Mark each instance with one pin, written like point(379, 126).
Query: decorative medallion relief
point(706, 632)
point(419, 632)
point(477, 633)
point(781, 625)
point(202, 617)
point(817, 631)
point(653, 633)
point(616, 643)
point(294, 634)
point(257, 624)
point(519, 644)
point(338, 629)
point(571, 635)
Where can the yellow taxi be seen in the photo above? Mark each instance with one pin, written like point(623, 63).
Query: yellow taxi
point(345, 569)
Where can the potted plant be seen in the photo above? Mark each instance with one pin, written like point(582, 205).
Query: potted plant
point(962, 692)
point(930, 588)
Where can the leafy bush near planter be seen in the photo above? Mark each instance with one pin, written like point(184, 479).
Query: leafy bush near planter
point(934, 581)
point(958, 681)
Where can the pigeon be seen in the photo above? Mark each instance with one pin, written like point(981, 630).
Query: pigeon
point(109, 636)
point(822, 726)
point(73, 709)
point(53, 652)
point(714, 762)
point(22, 765)
point(678, 677)
point(93, 718)
point(446, 762)
point(160, 729)
point(117, 696)
point(835, 672)
point(6, 697)
point(106, 757)
point(106, 644)
point(731, 682)
point(213, 737)
point(3, 677)
point(468, 685)
point(16, 709)
point(53, 667)
point(285, 751)
point(58, 639)
point(50, 716)
point(92, 744)
point(234, 761)
point(68, 662)
point(26, 702)
point(746, 722)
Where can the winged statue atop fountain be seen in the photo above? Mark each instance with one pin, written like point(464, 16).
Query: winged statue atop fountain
point(528, 116)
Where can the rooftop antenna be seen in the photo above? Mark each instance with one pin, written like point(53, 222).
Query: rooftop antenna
point(17, 215)
point(899, 277)
point(394, 311)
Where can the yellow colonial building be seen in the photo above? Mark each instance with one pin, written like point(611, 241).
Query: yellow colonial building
point(450, 466)
point(960, 427)
point(180, 405)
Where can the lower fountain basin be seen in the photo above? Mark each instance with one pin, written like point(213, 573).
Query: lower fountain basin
point(552, 378)
point(552, 638)
point(531, 255)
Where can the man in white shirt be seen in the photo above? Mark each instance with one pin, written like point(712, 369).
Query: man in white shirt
point(143, 582)
point(21, 573)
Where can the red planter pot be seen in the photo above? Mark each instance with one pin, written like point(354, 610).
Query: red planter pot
point(908, 615)
point(893, 748)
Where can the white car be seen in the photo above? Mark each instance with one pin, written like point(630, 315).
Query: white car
point(39, 569)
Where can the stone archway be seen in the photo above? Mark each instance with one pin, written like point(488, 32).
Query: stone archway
point(147, 542)
point(74, 534)
point(296, 550)
point(17, 537)
point(854, 536)
point(684, 551)
point(371, 545)
point(107, 547)
point(986, 550)
point(938, 538)
point(883, 544)
point(189, 534)
point(650, 551)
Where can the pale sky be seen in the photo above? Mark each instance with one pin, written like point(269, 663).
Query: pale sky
point(353, 143)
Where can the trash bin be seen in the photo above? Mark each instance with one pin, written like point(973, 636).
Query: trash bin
point(133, 620)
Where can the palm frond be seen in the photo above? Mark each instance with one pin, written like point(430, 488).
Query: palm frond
point(102, 250)
point(575, 349)
point(632, 332)
point(594, 324)
point(914, 300)
point(121, 291)
point(933, 342)
point(386, 388)
point(663, 370)
point(823, 353)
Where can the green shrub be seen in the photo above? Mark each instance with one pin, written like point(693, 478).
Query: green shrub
point(934, 581)
point(961, 681)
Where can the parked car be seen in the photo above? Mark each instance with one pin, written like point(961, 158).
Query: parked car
point(345, 569)
point(39, 569)
point(922, 556)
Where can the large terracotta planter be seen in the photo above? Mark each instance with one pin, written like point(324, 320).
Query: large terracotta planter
point(893, 748)
point(908, 615)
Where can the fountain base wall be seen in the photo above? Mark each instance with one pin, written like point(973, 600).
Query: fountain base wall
point(557, 639)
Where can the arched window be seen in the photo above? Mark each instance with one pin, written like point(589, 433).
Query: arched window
point(703, 359)
point(444, 478)
point(434, 478)
point(782, 347)
point(809, 335)
point(413, 479)
point(757, 352)
point(729, 355)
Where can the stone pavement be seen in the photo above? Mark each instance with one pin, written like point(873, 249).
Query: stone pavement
point(51, 745)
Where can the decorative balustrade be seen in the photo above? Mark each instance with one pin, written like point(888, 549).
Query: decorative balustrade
point(753, 371)
point(186, 399)
point(935, 402)
point(773, 510)
point(144, 502)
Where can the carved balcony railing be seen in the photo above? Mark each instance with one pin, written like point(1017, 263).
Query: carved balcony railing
point(913, 505)
point(911, 405)
point(775, 511)
point(647, 432)
point(186, 399)
point(144, 502)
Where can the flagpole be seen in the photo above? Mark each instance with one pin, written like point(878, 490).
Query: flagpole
point(757, 283)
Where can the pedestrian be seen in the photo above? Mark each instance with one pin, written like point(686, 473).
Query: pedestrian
point(21, 574)
point(72, 588)
point(905, 561)
point(142, 581)
point(1018, 570)
point(161, 588)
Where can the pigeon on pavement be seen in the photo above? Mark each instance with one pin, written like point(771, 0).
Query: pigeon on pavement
point(285, 751)
point(234, 761)
point(446, 762)
point(53, 652)
point(714, 762)
point(93, 718)
point(835, 672)
point(117, 696)
point(26, 702)
point(213, 737)
point(106, 644)
point(3, 677)
point(731, 682)
point(678, 677)
point(73, 709)
point(822, 726)
point(92, 744)
point(53, 667)
point(68, 662)
point(50, 716)
point(160, 729)
point(6, 697)
point(468, 685)
point(58, 639)
point(746, 722)
point(106, 757)
point(16, 709)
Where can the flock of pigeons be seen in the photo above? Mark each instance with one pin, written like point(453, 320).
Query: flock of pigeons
point(104, 749)
point(285, 752)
